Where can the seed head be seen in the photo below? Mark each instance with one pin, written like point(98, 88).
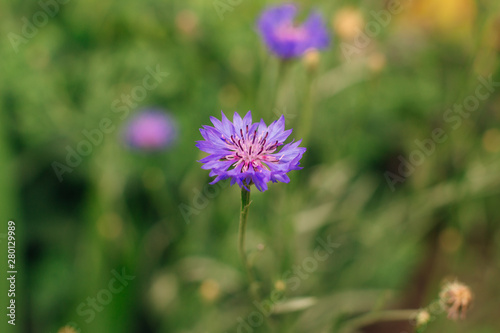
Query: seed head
point(456, 298)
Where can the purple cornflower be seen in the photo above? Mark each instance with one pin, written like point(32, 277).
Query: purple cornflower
point(246, 151)
point(286, 39)
point(150, 129)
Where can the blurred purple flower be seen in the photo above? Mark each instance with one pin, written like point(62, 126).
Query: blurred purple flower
point(285, 38)
point(246, 151)
point(150, 129)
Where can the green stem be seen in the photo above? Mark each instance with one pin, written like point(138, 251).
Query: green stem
point(307, 113)
point(245, 204)
point(374, 317)
point(280, 85)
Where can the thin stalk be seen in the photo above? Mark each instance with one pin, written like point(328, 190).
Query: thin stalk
point(245, 204)
point(280, 86)
point(374, 317)
point(307, 114)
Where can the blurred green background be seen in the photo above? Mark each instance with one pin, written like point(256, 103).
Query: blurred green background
point(141, 214)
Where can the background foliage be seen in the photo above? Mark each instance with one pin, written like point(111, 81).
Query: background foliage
point(121, 209)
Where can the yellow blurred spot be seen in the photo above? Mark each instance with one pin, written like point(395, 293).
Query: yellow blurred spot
point(454, 18)
point(210, 290)
point(376, 62)
point(280, 285)
point(110, 226)
point(450, 240)
point(229, 96)
point(153, 178)
point(163, 291)
point(186, 22)
point(67, 329)
point(311, 60)
point(348, 22)
point(491, 140)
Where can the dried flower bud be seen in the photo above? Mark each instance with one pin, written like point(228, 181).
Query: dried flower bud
point(423, 317)
point(456, 298)
point(311, 60)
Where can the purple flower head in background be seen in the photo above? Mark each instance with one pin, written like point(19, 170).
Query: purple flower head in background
point(247, 153)
point(150, 129)
point(286, 39)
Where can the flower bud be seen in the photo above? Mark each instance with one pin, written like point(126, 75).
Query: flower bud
point(311, 60)
point(423, 317)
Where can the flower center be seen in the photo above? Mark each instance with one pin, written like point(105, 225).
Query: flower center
point(289, 33)
point(251, 150)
